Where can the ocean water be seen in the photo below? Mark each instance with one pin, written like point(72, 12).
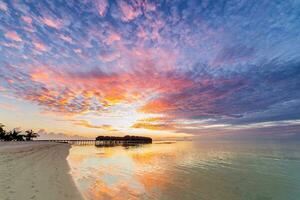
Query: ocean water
point(211, 170)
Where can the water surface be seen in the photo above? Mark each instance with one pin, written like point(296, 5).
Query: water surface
point(227, 170)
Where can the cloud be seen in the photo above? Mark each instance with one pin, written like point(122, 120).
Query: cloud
point(2, 89)
point(154, 126)
point(88, 125)
point(189, 61)
point(44, 135)
point(27, 19)
point(112, 37)
point(109, 57)
point(156, 123)
point(231, 54)
point(3, 6)
point(78, 51)
point(129, 12)
point(102, 6)
point(66, 38)
point(39, 75)
point(39, 46)
point(50, 22)
point(13, 36)
point(8, 107)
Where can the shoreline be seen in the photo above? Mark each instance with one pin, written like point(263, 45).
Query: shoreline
point(36, 170)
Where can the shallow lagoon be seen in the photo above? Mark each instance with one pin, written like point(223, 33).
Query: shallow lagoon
point(189, 170)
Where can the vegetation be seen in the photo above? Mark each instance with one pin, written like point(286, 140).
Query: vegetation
point(30, 134)
point(127, 138)
point(15, 134)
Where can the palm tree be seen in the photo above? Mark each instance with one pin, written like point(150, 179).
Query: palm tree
point(11, 135)
point(15, 135)
point(2, 132)
point(30, 134)
point(7, 136)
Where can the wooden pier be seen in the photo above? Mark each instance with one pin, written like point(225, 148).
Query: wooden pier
point(101, 143)
point(106, 141)
point(77, 142)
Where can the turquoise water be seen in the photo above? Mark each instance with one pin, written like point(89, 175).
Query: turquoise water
point(227, 170)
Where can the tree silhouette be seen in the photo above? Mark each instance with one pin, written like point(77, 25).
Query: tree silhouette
point(15, 135)
point(2, 132)
point(30, 134)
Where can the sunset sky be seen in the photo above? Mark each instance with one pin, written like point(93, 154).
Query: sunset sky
point(162, 68)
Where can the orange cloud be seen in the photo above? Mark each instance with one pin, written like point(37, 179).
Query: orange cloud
point(112, 88)
point(40, 75)
point(156, 106)
point(155, 123)
point(13, 36)
point(39, 46)
point(51, 22)
point(88, 125)
point(152, 126)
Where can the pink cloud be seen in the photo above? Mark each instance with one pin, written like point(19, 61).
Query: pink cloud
point(51, 22)
point(2, 89)
point(131, 86)
point(150, 74)
point(129, 12)
point(109, 57)
point(3, 6)
point(39, 74)
point(113, 37)
point(142, 34)
point(78, 51)
point(149, 6)
point(8, 107)
point(27, 19)
point(102, 6)
point(10, 45)
point(13, 36)
point(39, 46)
point(66, 38)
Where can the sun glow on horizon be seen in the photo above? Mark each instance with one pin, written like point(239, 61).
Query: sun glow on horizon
point(120, 121)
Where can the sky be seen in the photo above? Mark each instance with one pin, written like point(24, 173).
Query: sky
point(173, 68)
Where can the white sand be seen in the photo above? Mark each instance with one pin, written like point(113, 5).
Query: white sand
point(35, 170)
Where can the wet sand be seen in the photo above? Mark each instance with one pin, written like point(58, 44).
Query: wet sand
point(35, 170)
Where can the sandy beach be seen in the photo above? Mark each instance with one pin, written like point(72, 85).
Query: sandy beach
point(35, 170)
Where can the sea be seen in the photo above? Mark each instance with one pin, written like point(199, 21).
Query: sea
point(171, 170)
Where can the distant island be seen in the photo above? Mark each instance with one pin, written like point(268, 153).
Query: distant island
point(125, 139)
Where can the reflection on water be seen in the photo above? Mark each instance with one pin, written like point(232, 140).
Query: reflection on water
point(189, 170)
